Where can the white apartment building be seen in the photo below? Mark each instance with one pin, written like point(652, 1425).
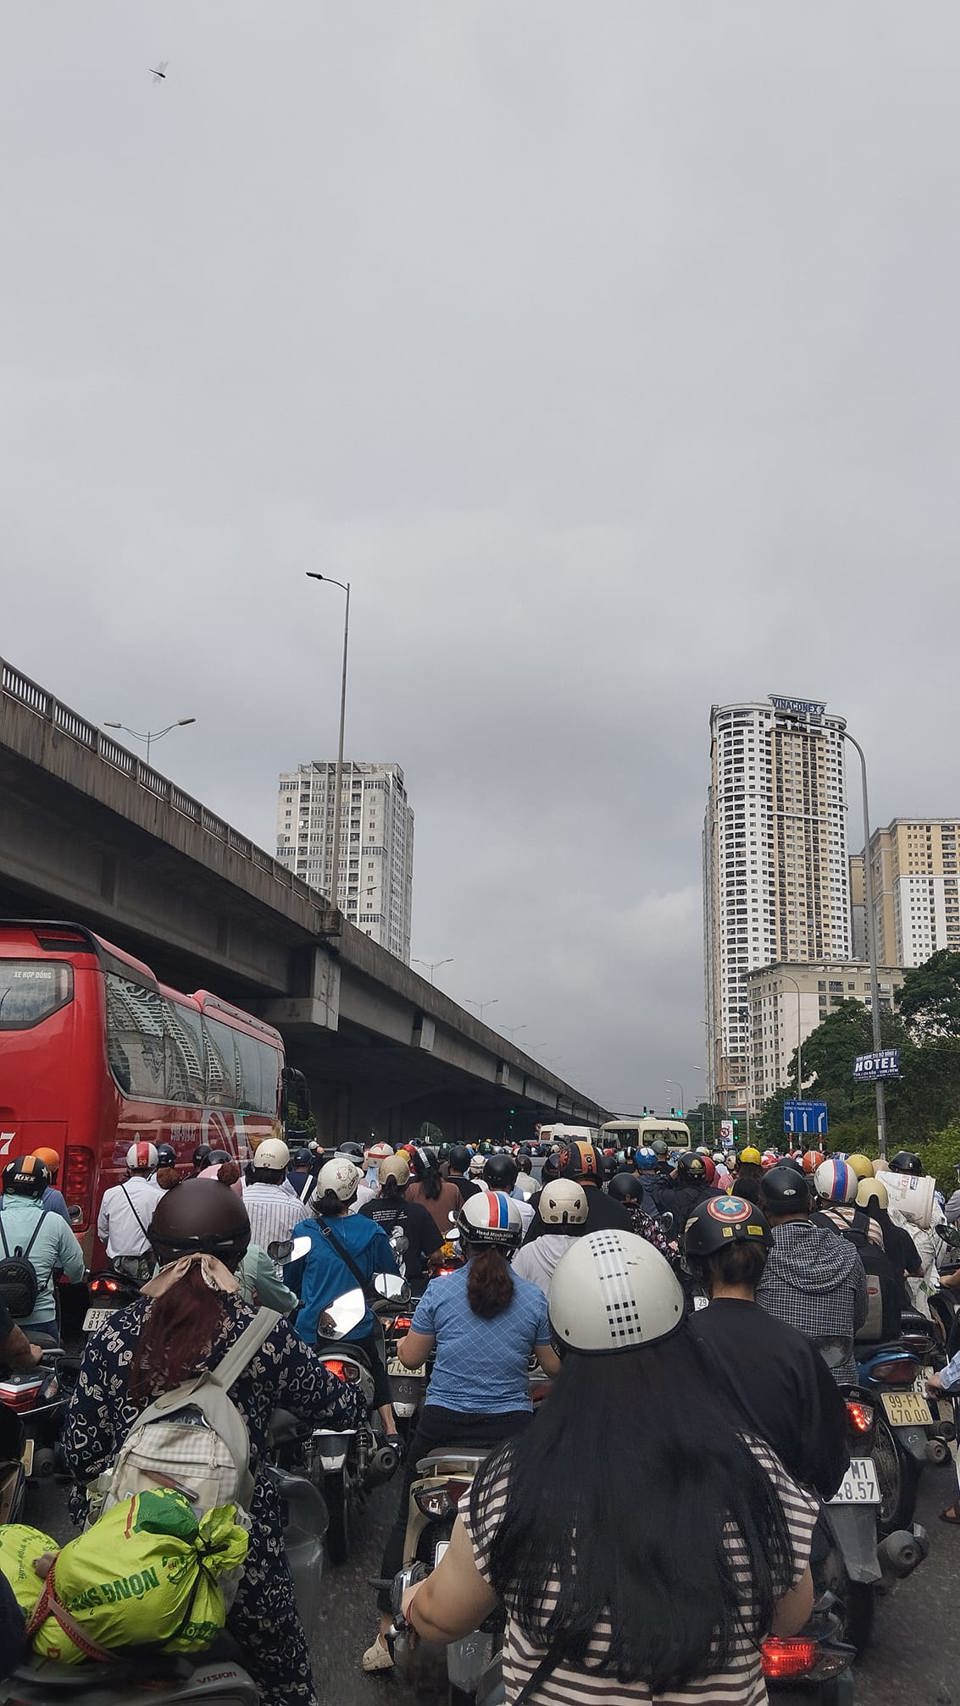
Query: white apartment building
point(376, 843)
point(785, 1002)
point(774, 862)
point(916, 889)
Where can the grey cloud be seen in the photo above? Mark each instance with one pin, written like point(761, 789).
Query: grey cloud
point(609, 352)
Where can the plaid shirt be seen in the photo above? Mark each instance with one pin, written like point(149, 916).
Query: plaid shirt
point(814, 1280)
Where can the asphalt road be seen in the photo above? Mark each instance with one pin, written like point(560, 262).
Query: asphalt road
point(914, 1659)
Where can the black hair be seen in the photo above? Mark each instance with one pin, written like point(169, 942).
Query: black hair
point(429, 1177)
point(738, 1263)
point(664, 1579)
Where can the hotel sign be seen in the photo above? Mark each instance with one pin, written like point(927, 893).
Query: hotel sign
point(798, 707)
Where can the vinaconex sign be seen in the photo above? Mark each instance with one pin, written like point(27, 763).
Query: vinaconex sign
point(798, 707)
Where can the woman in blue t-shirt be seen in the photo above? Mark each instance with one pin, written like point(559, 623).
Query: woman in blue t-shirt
point(484, 1322)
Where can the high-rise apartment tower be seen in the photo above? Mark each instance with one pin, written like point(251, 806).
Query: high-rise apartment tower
point(774, 863)
point(916, 889)
point(376, 843)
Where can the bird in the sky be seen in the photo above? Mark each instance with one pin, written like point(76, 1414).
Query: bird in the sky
point(159, 72)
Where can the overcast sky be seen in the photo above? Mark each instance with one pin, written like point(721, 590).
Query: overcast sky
point(610, 350)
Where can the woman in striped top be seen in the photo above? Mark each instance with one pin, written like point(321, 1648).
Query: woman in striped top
point(665, 1599)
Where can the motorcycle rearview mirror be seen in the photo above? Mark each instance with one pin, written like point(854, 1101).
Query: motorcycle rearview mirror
point(389, 1285)
point(950, 1234)
point(280, 1250)
point(299, 1248)
point(343, 1314)
point(666, 1223)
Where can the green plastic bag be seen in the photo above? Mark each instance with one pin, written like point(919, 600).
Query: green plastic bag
point(19, 1546)
point(148, 1573)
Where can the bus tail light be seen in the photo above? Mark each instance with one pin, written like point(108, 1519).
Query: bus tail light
point(78, 1176)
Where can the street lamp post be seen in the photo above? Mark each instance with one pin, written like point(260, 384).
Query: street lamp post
point(678, 1086)
point(433, 965)
point(788, 979)
point(345, 588)
point(871, 944)
point(482, 1006)
point(511, 1030)
point(706, 1072)
point(151, 735)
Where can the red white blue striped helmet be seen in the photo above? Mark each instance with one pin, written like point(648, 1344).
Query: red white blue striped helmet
point(491, 1217)
point(835, 1181)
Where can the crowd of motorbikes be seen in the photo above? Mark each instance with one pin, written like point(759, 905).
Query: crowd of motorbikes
point(867, 1538)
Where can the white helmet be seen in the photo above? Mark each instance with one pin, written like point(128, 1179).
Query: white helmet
point(272, 1154)
point(491, 1217)
point(142, 1157)
point(613, 1291)
point(563, 1203)
point(477, 1164)
point(338, 1178)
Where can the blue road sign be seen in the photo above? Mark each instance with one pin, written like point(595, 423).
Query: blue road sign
point(805, 1119)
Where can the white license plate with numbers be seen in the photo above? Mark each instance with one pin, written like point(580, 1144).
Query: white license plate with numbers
point(94, 1319)
point(860, 1485)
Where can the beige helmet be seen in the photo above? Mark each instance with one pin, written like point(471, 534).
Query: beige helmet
point(872, 1190)
point(563, 1203)
point(394, 1167)
point(338, 1178)
point(272, 1154)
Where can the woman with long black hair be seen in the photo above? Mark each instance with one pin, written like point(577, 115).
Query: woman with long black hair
point(484, 1323)
point(439, 1196)
point(673, 1603)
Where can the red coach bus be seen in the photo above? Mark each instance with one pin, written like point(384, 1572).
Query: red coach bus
point(95, 1053)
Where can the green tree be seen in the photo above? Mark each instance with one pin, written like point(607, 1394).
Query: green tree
point(929, 998)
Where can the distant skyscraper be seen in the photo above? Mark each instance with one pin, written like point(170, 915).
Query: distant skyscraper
point(376, 843)
point(916, 887)
point(774, 864)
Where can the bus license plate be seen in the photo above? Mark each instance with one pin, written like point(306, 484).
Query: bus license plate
point(906, 1410)
point(94, 1319)
point(859, 1486)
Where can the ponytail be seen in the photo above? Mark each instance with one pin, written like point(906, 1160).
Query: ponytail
point(489, 1283)
point(177, 1336)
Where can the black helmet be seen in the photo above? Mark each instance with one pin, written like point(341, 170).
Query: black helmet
point(793, 1161)
point(907, 1161)
point(201, 1157)
point(581, 1161)
point(26, 1177)
point(200, 1215)
point(659, 1147)
point(459, 1157)
point(500, 1172)
point(785, 1191)
point(626, 1187)
point(166, 1155)
point(691, 1167)
point(217, 1157)
point(354, 1150)
point(719, 1221)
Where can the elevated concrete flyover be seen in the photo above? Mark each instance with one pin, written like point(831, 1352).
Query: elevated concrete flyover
point(88, 831)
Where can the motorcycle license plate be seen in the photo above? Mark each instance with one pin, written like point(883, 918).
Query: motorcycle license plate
point(395, 1366)
point(94, 1319)
point(26, 1457)
point(860, 1485)
point(906, 1410)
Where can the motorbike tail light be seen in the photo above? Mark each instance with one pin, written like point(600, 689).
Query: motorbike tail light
point(19, 1397)
point(781, 1659)
point(342, 1370)
point(859, 1416)
point(103, 1284)
point(402, 1323)
point(903, 1372)
point(435, 1501)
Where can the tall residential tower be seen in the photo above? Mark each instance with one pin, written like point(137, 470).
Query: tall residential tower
point(916, 886)
point(376, 843)
point(774, 864)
